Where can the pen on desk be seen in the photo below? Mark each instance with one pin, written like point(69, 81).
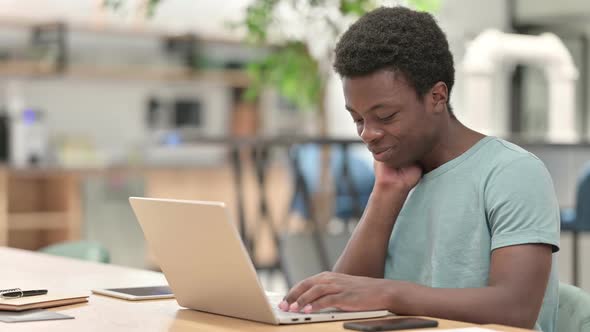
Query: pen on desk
point(17, 294)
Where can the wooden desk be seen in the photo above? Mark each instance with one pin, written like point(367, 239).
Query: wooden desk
point(27, 269)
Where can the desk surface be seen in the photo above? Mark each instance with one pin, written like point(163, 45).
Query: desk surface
point(33, 270)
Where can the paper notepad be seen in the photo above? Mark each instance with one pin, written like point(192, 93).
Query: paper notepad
point(42, 301)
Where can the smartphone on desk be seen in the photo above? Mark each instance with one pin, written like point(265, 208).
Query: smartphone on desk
point(404, 323)
point(138, 293)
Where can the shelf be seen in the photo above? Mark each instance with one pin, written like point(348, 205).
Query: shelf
point(139, 30)
point(25, 68)
point(237, 78)
point(55, 35)
point(232, 77)
point(37, 220)
point(39, 209)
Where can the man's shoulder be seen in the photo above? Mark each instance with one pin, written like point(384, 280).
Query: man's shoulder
point(515, 172)
point(501, 154)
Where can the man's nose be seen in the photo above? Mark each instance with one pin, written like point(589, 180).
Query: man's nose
point(370, 134)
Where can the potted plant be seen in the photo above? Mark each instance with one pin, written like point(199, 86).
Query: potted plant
point(303, 34)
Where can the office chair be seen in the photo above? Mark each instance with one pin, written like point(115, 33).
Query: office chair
point(578, 219)
point(573, 314)
point(313, 251)
point(353, 179)
point(85, 250)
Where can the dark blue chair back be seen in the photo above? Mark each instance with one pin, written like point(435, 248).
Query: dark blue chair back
point(307, 158)
point(582, 221)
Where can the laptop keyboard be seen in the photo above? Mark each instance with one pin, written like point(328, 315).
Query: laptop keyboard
point(274, 300)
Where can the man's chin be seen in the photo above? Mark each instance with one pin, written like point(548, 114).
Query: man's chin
point(396, 163)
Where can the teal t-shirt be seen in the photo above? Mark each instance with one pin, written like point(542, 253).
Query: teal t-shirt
point(494, 195)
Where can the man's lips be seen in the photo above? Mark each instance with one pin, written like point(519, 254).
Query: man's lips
point(378, 150)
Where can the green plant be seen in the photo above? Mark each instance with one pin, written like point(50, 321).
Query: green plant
point(116, 5)
point(290, 67)
point(292, 71)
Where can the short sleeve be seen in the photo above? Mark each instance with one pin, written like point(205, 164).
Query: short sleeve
point(521, 206)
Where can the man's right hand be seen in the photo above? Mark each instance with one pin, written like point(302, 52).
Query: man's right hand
point(401, 179)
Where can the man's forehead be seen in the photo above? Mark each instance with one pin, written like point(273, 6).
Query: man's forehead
point(378, 85)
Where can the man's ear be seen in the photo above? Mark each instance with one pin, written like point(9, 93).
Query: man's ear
point(440, 96)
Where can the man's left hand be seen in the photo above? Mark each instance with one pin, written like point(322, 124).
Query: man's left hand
point(336, 290)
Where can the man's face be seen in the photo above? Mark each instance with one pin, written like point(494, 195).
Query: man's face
point(391, 119)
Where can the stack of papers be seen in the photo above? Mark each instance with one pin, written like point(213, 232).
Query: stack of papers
point(42, 301)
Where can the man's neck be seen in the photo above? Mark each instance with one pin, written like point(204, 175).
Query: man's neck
point(454, 140)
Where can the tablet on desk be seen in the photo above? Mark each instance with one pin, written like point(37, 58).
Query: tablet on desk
point(138, 293)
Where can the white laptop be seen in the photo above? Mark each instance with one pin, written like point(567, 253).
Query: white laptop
point(207, 267)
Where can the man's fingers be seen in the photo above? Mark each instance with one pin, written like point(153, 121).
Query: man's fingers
point(313, 294)
point(290, 302)
point(300, 288)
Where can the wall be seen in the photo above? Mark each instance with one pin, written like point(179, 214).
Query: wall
point(205, 17)
point(111, 114)
point(462, 21)
point(549, 10)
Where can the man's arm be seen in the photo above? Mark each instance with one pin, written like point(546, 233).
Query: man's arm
point(366, 250)
point(517, 281)
point(514, 295)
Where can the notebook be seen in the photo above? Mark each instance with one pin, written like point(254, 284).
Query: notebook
point(42, 301)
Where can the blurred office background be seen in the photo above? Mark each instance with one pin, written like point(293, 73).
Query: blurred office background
point(102, 100)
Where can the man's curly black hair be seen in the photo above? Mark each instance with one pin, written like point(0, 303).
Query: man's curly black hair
point(398, 39)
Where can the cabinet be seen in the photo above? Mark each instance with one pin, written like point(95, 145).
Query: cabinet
point(38, 208)
point(42, 207)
